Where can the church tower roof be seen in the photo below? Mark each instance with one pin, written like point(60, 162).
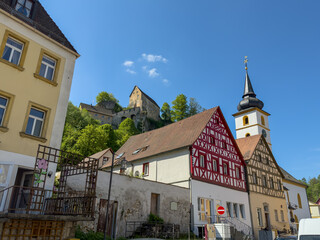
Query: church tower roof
point(249, 99)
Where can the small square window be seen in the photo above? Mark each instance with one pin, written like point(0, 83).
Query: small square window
point(146, 169)
point(3, 107)
point(47, 67)
point(12, 51)
point(35, 122)
point(24, 7)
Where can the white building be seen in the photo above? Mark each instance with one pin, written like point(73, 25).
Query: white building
point(297, 200)
point(198, 153)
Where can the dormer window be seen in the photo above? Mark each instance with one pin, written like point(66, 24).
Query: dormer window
point(24, 7)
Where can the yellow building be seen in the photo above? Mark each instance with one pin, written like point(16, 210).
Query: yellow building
point(264, 178)
point(36, 66)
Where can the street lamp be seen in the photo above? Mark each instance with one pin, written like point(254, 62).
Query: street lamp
point(122, 169)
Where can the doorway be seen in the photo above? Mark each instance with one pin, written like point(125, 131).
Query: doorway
point(267, 215)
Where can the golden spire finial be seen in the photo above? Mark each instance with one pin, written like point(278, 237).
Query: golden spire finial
point(245, 62)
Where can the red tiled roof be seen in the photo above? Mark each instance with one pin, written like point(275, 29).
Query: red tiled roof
point(174, 136)
point(247, 145)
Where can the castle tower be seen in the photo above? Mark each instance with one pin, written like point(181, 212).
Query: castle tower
point(251, 119)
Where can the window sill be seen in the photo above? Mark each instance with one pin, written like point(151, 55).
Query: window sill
point(45, 80)
point(11, 64)
point(3, 129)
point(40, 139)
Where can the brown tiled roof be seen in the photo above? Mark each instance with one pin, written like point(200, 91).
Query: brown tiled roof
point(100, 154)
point(289, 177)
point(247, 145)
point(174, 136)
point(144, 95)
point(41, 21)
point(97, 109)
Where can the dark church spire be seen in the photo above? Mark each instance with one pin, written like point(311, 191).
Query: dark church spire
point(249, 97)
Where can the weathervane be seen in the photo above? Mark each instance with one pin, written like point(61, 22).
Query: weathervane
point(245, 62)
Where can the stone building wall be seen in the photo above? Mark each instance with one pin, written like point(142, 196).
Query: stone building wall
point(134, 200)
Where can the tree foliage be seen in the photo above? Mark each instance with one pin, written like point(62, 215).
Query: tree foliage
point(104, 96)
point(83, 134)
point(313, 190)
point(194, 107)
point(179, 108)
point(166, 112)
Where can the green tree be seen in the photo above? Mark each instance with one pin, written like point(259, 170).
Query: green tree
point(94, 139)
point(179, 108)
point(166, 112)
point(313, 190)
point(194, 107)
point(79, 118)
point(104, 96)
point(125, 131)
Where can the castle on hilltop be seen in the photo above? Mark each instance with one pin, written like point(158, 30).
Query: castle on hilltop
point(142, 109)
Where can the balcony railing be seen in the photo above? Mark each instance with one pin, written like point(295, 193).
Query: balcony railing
point(31, 200)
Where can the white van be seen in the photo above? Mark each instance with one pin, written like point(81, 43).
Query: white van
point(309, 229)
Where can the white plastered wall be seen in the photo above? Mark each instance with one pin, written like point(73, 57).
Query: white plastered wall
point(293, 192)
point(218, 193)
point(171, 167)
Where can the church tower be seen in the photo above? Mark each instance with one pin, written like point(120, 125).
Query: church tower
point(251, 119)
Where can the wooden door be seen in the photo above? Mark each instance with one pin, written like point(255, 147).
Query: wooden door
point(154, 204)
point(112, 216)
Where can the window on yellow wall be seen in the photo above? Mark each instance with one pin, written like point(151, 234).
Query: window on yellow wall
point(245, 120)
point(299, 201)
point(262, 120)
point(6, 100)
point(13, 50)
point(48, 67)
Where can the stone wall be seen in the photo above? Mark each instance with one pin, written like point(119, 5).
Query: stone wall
point(133, 113)
point(134, 200)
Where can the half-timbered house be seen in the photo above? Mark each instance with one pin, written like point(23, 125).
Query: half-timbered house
point(267, 200)
point(198, 153)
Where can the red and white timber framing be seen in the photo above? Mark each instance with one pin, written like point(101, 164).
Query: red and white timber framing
point(216, 143)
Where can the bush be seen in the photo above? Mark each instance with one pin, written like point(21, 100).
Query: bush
point(154, 218)
point(91, 235)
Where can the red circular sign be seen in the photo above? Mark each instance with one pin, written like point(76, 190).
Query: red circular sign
point(220, 210)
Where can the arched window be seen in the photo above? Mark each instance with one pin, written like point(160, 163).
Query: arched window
point(248, 135)
point(299, 201)
point(262, 121)
point(245, 120)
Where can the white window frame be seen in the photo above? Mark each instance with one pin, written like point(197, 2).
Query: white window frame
point(13, 48)
point(282, 215)
point(259, 215)
point(276, 215)
point(144, 167)
point(242, 211)
point(47, 66)
point(202, 161)
point(214, 165)
point(238, 172)
point(36, 119)
point(5, 108)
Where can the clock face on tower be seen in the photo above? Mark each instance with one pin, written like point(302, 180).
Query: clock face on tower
point(264, 133)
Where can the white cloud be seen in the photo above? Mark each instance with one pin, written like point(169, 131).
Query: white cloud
point(144, 68)
point(130, 71)
point(128, 63)
point(165, 82)
point(153, 72)
point(154, 58)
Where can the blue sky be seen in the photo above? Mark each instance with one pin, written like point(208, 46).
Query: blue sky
point(197, 48)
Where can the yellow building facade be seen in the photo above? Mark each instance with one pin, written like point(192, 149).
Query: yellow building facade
point(266, 194)
point(36, 66)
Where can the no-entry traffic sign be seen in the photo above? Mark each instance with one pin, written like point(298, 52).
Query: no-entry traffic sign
point(220, 210)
